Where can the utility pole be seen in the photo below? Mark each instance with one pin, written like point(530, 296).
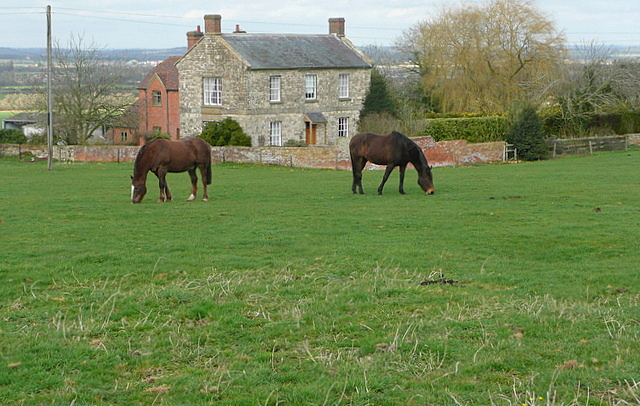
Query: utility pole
point(49, 95)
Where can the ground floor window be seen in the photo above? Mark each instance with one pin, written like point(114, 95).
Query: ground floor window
point(343, 127)
point(124, 135)
point(275, 132)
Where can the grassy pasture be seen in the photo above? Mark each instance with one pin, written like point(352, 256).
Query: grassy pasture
point(512, 285)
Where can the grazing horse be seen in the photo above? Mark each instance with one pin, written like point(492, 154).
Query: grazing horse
point(392, 150)
point(161, 156)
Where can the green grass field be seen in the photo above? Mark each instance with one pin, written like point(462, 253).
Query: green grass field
point(512, 285)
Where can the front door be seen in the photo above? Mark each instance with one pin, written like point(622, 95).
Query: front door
point(311, 133)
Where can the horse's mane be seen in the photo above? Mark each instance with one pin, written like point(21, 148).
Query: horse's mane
point(412, 147)
point(141, 152)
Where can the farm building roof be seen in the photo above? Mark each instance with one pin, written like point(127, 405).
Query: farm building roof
point(166, 71)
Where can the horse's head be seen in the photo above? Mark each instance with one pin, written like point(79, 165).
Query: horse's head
point(425, 180)
point(138, 190)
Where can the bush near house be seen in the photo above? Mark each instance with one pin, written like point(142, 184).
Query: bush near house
point(12, 136)
point(225, 132)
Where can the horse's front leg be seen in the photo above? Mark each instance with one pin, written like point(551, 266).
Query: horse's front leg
point(194, 184)
point(401, 188)
point(387, 172)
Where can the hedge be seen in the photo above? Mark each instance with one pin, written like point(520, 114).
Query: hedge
point(474, 130)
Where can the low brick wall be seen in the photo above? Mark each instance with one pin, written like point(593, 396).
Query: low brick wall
point(445, 153)
point(75, 153)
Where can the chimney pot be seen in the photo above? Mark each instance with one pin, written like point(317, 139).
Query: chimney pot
point(193, 37)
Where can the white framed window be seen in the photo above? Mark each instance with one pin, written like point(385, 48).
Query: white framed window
point(310, 83)
point(275, 133)
point(274, 88)
point(343, 127)
point(212, 90)
point(343, 85)
point(157, 98)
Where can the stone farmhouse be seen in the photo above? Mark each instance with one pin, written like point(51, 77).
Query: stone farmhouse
point(278, 87)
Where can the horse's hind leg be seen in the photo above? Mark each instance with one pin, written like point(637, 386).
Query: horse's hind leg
point(357, 167)
point(203, 173)
point(194, 184)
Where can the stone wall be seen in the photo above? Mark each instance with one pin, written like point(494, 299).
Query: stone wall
point(445, 153)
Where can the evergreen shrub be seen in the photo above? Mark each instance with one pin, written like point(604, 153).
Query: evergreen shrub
point(527, 134)
point(12, 136)
point(225, 132)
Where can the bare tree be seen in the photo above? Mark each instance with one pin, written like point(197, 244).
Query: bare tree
point(594, 83)
point(87, 93)
point(481, 58)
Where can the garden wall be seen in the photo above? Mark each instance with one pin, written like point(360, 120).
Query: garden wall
point(444, 153)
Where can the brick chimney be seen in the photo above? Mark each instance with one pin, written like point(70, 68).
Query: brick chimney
point(193, 37)
point(213, 24)
point(336, 26)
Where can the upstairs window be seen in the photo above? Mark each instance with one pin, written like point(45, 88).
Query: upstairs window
point(156, 98)
point(343, 86)
point(310, 82)
point(212, 91)
point(274, 89)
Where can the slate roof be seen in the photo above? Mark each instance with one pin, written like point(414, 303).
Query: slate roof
point(166, 71)
point(316, 118)
point(25, 118)
point(286, 51)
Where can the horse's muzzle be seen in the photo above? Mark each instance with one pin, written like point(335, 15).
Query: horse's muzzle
point(430, 191)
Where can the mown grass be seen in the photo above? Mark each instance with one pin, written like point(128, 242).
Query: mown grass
point(285, 288)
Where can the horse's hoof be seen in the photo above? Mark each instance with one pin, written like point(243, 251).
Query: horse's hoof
point(205, 199)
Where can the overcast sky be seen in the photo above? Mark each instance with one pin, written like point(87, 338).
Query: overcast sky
point(164, 23)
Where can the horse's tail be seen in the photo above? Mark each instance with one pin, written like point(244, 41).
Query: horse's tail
point(209, 173)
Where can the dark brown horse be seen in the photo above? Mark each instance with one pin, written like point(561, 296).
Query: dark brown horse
point(161, 156)
point(392, 150)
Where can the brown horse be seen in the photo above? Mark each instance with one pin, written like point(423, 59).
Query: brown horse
point(161, 156)
point(392, 150)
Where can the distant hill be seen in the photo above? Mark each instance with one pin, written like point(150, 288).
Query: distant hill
point(379, 54)
point(110, 54)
